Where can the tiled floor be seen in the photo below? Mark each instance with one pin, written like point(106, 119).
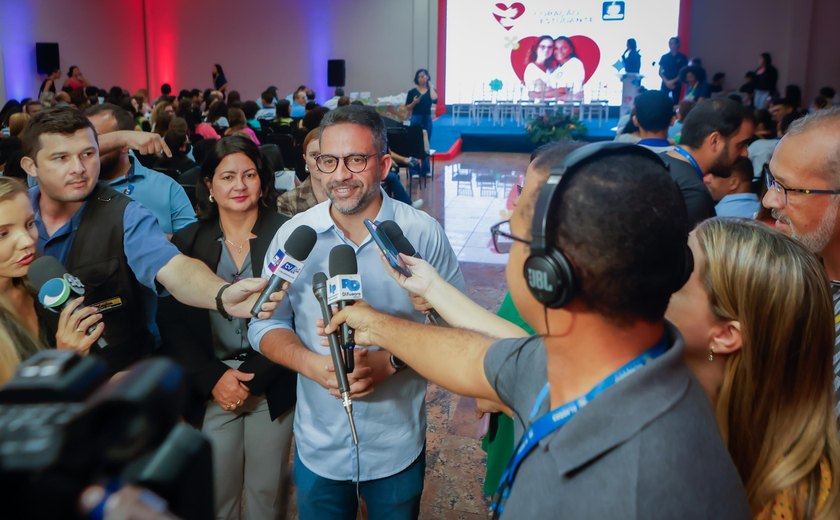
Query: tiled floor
point(467, 195)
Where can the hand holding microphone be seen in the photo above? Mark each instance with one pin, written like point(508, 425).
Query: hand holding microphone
point(60, 292)
point(345, 287)
point(287, 265)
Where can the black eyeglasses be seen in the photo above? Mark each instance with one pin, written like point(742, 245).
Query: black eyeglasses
point(778, 187)
point(502, 237)
point(355, 162)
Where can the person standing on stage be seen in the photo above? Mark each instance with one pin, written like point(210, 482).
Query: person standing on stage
point(670, 65)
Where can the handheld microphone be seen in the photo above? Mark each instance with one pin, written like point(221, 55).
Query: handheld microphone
point(319, 287)
point(56, 287)
point(287, 265)
point(345, 287)
point(395, 233)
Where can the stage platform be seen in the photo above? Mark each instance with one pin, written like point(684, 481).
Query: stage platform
point(449, 139)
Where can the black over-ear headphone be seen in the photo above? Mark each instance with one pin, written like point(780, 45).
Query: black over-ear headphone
point(548, 272)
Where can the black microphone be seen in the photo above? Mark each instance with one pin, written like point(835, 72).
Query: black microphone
point(287, 265)
point(319, 287)
point(395, 234)
point(56, 287)
point(345, 287)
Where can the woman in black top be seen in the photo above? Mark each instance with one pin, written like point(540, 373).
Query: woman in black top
point(243, 402)
point(419, 102)
point(631, 58)
point(766, 79)
point(48, 85)
point(219, 79)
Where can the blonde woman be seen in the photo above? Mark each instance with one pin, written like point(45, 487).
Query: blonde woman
point(758, 324)
point(18, 237)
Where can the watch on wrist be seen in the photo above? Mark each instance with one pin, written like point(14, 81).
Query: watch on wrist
point(221, 306)
point(397, 363)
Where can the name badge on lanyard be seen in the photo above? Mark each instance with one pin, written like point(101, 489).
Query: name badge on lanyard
point(680, 150)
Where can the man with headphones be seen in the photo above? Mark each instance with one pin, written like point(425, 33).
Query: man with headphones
point(608, 419)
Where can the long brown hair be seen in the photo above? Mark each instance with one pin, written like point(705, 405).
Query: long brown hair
point(775, 409)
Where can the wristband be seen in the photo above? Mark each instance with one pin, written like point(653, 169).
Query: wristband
point(397, 363)
point(219, 305)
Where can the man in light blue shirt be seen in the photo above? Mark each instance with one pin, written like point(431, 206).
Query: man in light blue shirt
point(734, 193)
point(157, 192)
point(388, 401)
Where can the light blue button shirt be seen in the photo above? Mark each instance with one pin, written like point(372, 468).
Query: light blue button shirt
point(744, 205)
point(391, 421)
point(158, 193)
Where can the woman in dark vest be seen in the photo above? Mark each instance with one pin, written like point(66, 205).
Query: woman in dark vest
point(241, 401)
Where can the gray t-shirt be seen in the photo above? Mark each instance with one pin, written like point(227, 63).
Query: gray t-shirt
point(646, 448)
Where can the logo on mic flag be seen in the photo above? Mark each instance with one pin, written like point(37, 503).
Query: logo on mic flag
point(285, 266)
point(344, 287)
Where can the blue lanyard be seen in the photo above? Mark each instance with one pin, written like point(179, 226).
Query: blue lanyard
point(555, 419)
point(680, 150)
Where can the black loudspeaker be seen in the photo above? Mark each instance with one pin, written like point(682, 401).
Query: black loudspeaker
point(46, 57)
point(335, 73)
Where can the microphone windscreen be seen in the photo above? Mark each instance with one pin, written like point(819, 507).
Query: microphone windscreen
point(395, 234)
point(43, 269)
point(343, 260)
point(319, 280)
point(301, 242)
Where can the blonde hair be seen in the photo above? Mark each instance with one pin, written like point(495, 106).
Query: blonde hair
point(17, 122)
point(775, 409)
point(9, 187)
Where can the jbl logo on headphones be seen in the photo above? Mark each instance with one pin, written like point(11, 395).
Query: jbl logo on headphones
point(538, 279)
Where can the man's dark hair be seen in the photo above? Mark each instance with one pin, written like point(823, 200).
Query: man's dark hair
point(312, 118)
point(628, 257)
point(310, 105)
point(743, 169)
point(788, 120)
point(250, 108)
point(763, 118)
point(267, 96)
point(214, 154)
point(358, 115)
point(283, 109)
point(176, 136)
point(124, 119)
point(166, 89)
point(828, 92)
point(310, 94)
point(339, 91)
point(698, 71)
point(62, 120)
point(718, 76)
point(654, 110)
point(715, 115)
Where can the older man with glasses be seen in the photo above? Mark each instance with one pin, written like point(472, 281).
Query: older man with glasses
point(803, 181)
point(388, 467)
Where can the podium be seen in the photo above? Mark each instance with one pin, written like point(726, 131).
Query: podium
point(630, 83)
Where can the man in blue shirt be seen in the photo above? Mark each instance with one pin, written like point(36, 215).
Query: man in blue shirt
point(734, 193)
point(61, 150)
point(388, 401)
point(157, 192)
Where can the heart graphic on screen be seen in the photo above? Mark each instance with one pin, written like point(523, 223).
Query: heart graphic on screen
point(506, 14)
point(586, 49)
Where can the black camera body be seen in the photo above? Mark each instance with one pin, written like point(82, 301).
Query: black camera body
point(64, 426)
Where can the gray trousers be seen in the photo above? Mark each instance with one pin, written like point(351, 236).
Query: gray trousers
point(250, 459)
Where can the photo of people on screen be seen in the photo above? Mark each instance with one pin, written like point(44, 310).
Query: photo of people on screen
point(554, 69)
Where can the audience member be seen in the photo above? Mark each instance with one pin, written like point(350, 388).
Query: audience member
point(694, 78)
point(239, 125)
point(17, 122)
point(332, 103)
point(716, 87)
point(714, 134)
point(268, 110)
point(177, 139)
point(250, 432)
point(756, 316)
point(766, 81)
point(654, 112)
point(75, 80)
point(298, 105)
point(734, 194)
point(284, 115)
point(595, 293)
point(165, 93)
point(354, 161)
point(32, 107)
point(802, 189)
point(48, 85)
point(311, 190)
point(217, 115)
